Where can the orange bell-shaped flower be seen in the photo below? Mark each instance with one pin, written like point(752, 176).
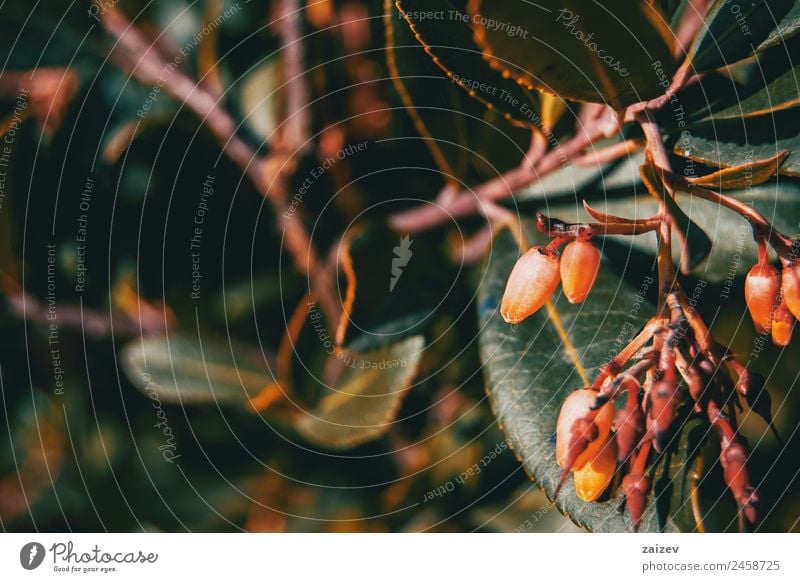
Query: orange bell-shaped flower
point(761, 288)
point(575, 407)
point(782, 325)
point(532, 281)
point(580, 263)
point(790, 288)
point(594, 477)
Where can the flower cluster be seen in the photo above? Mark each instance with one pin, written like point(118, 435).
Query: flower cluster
point(773, 296)
point(672, 371)
point(537, 273)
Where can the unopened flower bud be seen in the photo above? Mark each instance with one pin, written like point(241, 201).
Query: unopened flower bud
point(575, 408)
point(635, 488)
point(761, 288)
point(532, 281)
point(733, 459)
point(698, 381)
point(630, 429)
point(594, 477)
point(782, 325)
point(663, 409)
point(749, 383)
point(580, 263)
point(790, 288)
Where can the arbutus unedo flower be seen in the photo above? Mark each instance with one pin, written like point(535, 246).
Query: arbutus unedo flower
point(630, 426)
point(532, 281)
point(673, 371)
point(761, 290)
point(580, 263)
point(790, 287)
point(681, 363)
point(782, 324)
point(594, 477)
point(636, 484)
point(578, 426)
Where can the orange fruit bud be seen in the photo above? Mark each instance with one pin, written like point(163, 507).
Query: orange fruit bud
point(532, 281)
point(630, 425)
point(790, 288)
point(635, 487)
point(761, 288)
point(782, 325)
point(580, 263)
point(593, 478)
point(575, 407)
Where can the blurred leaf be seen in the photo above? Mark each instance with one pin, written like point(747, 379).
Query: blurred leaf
point(260, 98)
point(526, 511)
point(584, 182)
point(183, 370)
point(208, 55)
point(363, 403)
point(594, 53)
point(733, 29)
point(448, 40)
point(532, 367)
point(38, 448)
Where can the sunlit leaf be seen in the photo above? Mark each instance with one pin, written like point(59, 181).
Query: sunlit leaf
point(452, 125)
point(586, 52)
point(751, 174)
point(448, 39)
point(737, 143)
point(774, 86)
point(365, 400)
point(788, 27)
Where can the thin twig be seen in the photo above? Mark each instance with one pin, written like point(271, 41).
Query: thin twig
point(468, 202)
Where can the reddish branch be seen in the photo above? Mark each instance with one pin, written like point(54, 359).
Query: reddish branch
point(469, 201)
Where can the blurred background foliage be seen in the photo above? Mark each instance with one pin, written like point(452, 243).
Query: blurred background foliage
point(89, 455)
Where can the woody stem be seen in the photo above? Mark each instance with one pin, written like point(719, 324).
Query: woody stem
point(658, 155)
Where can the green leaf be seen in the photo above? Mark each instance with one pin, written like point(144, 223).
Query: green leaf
point(447, 38)
point(451, 124)
point(189, 370)
point(751, 174)
point(365, 400)
point(786, 28)
point(532, 367)
point(733, 29)
point(584, 52)
point(737, 143)
point(774, 86)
